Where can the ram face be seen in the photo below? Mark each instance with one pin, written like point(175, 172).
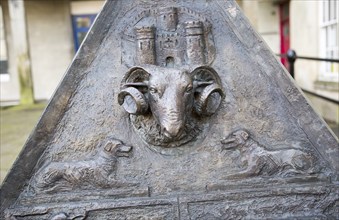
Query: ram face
point(171, 97)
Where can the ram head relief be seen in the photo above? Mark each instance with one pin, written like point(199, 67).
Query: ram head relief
point(167, 104)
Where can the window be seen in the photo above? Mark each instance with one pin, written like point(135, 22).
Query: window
point(81, 25)
point(329, 35)
point(4, 76)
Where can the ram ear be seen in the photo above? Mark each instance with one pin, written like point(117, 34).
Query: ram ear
point(205, 75)
point(208, 93)
point(136, 77)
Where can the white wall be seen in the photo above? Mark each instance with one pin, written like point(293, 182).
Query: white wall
point(9, 88)
point(268, 24)
point(3, 46)
point(51, 43)
point(264, 17)
point(305, 40)
point(250, 9)
point(86, 7)
point(51, 40)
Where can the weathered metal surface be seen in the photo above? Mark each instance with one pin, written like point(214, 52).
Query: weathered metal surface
point(175, 110)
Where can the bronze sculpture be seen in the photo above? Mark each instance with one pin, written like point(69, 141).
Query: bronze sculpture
point(206, 124)
point(170, 100)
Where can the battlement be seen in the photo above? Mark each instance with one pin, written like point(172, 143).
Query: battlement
point(145, 33)
point(194, 28)
point(166, 36)
point(167, 11)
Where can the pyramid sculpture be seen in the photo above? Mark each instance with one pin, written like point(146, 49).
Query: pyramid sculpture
point(175, 110)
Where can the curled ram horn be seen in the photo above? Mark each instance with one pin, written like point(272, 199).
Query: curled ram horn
point(133, 101)
point(209, 93)
point(208, 101)
point(131, 96)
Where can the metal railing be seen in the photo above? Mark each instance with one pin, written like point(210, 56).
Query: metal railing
point(292, 57)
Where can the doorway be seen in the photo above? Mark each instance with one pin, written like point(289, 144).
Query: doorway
point(284, 9)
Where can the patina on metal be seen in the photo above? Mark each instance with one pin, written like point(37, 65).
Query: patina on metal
point(175, 110)
point(166, 103)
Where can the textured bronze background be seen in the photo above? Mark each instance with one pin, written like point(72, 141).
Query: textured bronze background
point(175, 109)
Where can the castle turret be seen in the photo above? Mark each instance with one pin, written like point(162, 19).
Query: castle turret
point(195, 42)
point(145, 45)
point(169, 19)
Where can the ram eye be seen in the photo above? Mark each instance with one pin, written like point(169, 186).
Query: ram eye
point(153, 90)
point(189, 89)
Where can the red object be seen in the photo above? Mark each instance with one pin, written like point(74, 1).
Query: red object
point(284, 9)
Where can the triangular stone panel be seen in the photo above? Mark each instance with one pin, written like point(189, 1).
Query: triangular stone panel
point(175, 110)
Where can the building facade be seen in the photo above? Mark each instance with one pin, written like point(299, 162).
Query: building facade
point(311, 28)
point(51, 31)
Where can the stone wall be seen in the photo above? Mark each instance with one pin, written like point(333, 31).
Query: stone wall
point(9, 88)
point(51, 43)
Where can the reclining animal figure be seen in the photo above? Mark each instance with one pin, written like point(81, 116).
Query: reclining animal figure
point(97, 172)
point(260, 161)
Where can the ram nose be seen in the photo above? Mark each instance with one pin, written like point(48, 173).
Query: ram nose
point(172, 131)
